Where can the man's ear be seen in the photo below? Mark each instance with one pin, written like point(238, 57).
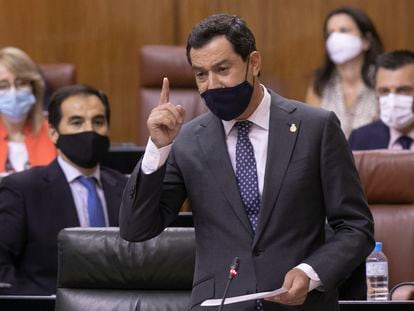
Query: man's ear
point(53, 134)
point(256, 62)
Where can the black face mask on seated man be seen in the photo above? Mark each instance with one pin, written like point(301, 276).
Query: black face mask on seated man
point(85, 149)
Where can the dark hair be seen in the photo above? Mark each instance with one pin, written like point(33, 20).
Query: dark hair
point(232, 26)
point(60, 95)
point(395, 59)
point(368, 31)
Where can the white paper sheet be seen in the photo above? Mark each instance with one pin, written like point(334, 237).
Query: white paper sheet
point(230, 300)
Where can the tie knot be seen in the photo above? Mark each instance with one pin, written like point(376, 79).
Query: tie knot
point(87, 182)
point(405, 142)
point(243, 127)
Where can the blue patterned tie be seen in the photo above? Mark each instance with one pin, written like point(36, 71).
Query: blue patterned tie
point(405, 142)
point(246, 174)
point(95, 209)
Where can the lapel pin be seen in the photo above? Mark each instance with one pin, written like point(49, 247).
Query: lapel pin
point(293, 128)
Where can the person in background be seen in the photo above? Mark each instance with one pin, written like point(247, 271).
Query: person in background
point(262, 174)
point(395, 90)
point(344, 83)
point(24, 140)
point(72, 191)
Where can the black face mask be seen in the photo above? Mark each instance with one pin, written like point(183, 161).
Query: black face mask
point(85, 149)
point(228, 103)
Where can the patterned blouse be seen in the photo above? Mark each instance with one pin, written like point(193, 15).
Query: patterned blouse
point(363, 111)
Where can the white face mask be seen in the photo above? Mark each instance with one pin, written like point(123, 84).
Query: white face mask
point(343, 47)
point(396, 111)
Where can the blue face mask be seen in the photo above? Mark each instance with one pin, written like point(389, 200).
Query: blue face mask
point(229, 102)
point(15, 104)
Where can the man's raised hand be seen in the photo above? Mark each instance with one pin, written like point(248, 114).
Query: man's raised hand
point(165, 120)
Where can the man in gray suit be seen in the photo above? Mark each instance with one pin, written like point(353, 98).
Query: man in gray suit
point(262, 174)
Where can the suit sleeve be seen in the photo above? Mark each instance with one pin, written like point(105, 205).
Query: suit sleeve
point(151, 202)
point(346, 208)
point(12, 230)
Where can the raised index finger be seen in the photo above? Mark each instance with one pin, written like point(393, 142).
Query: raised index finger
point(165, 91)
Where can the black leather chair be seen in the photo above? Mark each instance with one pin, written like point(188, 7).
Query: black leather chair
point(98, 270)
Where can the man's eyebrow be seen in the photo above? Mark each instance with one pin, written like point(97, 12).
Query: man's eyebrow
point(219, 63)
point(404, 87)
point(197, 67)
point(99, 116)
point(75, 117)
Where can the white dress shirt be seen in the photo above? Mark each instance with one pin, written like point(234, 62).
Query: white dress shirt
point(18, 155)
point(154, 158)
point(80, 193)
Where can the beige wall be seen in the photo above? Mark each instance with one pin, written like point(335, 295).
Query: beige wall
point(102, 38)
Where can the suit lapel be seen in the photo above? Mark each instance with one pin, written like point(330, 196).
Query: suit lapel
point(112, 197)
point(212, 142)
point(283, 131)
point(385, 137)
point(60, 197)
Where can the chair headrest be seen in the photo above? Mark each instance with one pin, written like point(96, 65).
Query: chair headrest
point(100, 258)
point(387, 176)
point(159, 61)
point(58, 75)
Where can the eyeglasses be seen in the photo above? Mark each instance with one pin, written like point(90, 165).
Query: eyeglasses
point(18, 83)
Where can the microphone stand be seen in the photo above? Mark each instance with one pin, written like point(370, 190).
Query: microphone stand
point(234, 267)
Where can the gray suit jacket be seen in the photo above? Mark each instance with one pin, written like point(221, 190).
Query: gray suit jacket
point(310, 176)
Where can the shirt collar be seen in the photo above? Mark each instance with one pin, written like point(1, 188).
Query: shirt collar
point(72, 173)
point(395, 135)
point(260, 116)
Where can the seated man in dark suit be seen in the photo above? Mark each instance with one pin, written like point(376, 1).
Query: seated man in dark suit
point(72, 191)
point(395, 89)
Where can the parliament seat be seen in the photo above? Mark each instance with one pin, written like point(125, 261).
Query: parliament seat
point(155, 63)
point(56, 76)
point(388, 180)
point(99, 271)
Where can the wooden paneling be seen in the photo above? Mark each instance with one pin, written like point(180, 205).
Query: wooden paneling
point(102, 38)
point(289, 32)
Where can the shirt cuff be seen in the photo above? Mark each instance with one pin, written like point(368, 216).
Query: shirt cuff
point(153, 157)
point(5, 285)
point(315, 281)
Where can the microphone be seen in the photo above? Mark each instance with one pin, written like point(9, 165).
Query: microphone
point(234, 268)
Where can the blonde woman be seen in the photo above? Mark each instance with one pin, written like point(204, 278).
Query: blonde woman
point(24, 140)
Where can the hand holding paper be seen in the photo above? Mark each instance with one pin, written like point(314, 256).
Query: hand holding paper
point(293, 292)
point(297, 284)
point(230, 300)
